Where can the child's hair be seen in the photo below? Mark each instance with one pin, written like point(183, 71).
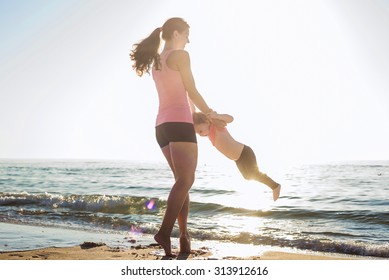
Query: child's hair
point(145, 54)
point(199, 118)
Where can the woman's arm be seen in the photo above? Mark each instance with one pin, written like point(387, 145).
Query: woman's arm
point(192, 106)
point(179, 60)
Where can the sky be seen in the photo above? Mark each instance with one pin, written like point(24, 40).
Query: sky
point(306, 81)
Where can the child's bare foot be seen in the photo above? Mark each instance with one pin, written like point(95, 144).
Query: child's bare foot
point(165, 244)
point(185, 244)
point(276, 192)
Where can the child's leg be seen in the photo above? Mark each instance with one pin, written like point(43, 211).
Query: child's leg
point(247, 165)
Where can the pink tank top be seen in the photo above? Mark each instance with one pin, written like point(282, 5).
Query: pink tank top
point(212, 132)
point(173, 98)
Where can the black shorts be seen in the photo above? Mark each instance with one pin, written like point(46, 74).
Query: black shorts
point(175, 132)
point(247, 163)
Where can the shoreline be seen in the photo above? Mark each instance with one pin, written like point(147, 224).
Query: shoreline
point(31, 242)
point(95, 251)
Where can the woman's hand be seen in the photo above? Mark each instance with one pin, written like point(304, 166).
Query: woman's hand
point(212, 115)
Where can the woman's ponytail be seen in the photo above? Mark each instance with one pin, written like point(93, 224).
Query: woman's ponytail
point(145, 54)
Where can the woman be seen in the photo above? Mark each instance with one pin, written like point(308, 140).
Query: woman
point(175, 132)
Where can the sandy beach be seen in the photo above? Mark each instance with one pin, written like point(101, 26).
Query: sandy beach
point(100, 251)
point(26, 242)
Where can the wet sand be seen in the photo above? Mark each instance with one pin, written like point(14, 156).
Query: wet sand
point(100, 251)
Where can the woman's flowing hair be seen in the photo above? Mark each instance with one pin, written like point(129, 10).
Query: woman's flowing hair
point(145, 54)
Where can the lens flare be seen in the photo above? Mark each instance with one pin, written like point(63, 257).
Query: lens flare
point(135, 230)
point(150, 204)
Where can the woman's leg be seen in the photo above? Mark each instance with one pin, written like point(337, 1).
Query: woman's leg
point(183, 157)
point(183, 215)
point(182, 219)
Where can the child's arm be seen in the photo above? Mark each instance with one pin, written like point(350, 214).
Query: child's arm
point(223, 117)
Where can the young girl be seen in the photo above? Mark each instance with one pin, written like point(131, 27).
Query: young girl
point(243, 155)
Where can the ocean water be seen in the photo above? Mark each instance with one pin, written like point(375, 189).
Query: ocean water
point(338, 208)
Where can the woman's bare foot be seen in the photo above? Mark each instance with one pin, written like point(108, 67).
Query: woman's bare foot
point(276, 192)
point(185, 244)
point(165, 244)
